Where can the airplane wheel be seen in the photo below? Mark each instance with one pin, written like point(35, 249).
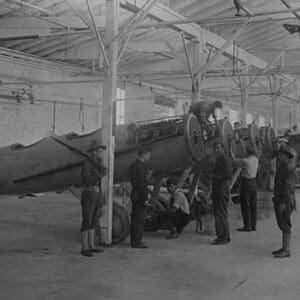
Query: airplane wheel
point(121, 224)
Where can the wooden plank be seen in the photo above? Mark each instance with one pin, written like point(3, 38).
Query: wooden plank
point(108, 115)
point(189, 63)
point(243, 81)
point(197, 62)
point(225, 46)
point(34, 24)
point(35, 7)
point(98, 34)
point(126, 33)
point(160, 12)
point(170, 47)
point(235, 177)
point(90, 50)
point(274, 86)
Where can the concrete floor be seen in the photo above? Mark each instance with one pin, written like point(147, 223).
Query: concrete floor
point(39, 259)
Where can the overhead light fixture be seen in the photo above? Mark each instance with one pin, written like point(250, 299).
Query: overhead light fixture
point(239, 5)
point(292, 28)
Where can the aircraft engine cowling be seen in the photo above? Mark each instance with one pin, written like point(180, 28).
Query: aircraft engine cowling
point(177, 143)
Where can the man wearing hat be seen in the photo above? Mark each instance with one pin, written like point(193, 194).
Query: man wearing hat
point(284, 197)
point(92, 173)
point(139, 176)
point(222, 174)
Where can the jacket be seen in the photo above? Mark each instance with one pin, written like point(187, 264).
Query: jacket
point(284, 192)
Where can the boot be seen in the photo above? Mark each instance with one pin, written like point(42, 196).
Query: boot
point(93, 248)
point(285, 252)
point(244, 229)
point(286, 241)
point(221, 241)
point(173, 234)
point(85, 251)
point(277, 251)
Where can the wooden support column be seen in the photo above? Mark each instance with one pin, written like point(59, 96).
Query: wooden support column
point(291, 119)
point(197, 64)
point(108, 115)
point(274, 88)
point(244, 95)
point(294, 113)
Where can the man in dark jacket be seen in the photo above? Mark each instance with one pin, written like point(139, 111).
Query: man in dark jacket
point(139, 178)
point(222, 174)
point(284, 197)
point(91, 199)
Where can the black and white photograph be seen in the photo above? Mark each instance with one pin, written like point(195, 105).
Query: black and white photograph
point(150, 149)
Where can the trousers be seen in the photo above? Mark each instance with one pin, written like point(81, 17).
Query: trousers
point(91, 210)
point(248, 198)
point(220, 197)
point(138, 216)
point(283, 214)
point(174, 220)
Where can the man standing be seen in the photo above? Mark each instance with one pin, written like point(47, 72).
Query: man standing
point(222, 174)
point(284, 197)
point(177, 215)
point(248, 188)
point(139, 178)
point(92, 172)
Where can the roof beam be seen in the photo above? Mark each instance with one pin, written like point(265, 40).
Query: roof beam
point(35, 7)
point(74, 22)
point(162, 13)
point(89, 50)
point(15, 64)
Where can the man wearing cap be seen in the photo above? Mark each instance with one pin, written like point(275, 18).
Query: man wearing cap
point(92, 173)
point(248, 188)
point(284, 197)
point(222, 174)
point(139, 178)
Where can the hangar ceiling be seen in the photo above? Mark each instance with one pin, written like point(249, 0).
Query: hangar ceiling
point(55, 31)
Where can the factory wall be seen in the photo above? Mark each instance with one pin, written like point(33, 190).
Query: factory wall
point(63, 108)
point(140, 104)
